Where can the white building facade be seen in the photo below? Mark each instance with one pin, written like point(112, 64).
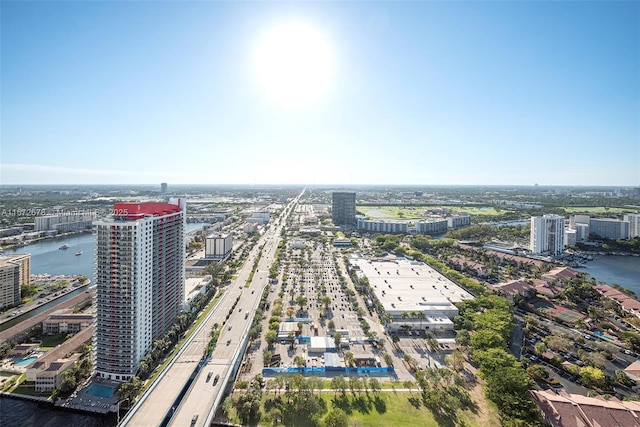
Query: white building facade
point(608, 228)
point(634, 224)
point(140, 277)
point(547, 235)
point(74, 221)
point(218, 246)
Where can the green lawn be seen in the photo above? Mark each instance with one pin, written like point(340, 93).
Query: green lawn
point(395, 409)
point(416, 212)
point(29, 390)
point(49, 342)
point(595, 209)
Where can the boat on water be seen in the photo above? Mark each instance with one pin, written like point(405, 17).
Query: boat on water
point(78, 253)
point(65, 246)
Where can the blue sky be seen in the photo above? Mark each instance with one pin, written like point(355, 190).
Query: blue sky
point(423, 93)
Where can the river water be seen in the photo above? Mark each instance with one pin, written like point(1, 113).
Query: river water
point(47, 258)
point(621, 270)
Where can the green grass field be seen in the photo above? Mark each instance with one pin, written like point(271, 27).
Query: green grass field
point(397, 409)
point(416, 212)
point(596, 209)
point(49, 342)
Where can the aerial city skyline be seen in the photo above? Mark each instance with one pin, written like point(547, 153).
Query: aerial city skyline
point(428, 212)
point(423, 93)
point(130, 306)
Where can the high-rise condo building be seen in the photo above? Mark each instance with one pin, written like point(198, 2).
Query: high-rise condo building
point(218, 246)
point(140, 275)
point(547, 235)
point(15, 270)
point(608, 228)
point(343, 208)
point(634, 224)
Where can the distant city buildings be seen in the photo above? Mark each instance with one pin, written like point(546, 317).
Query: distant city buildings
point(9, 283)
point(163, 188)
point(218, 246)
point(74, 221)
point(634, 224)
point(547, 235)
point(459, 221)
point(427, 226)
point(15, 270)
point(515, 204)
point(140, 277)
point(260, 216)
point(607, 228)
point(343, 208)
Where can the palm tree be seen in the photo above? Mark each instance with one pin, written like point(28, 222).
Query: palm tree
point(405, 315)
point(422, 316)
point(349, 358)
point(338, 383)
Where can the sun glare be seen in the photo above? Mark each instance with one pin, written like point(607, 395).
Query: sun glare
point(294, 65)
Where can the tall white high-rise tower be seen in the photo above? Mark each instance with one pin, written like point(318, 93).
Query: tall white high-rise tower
point(140, 275)
point(547, 235)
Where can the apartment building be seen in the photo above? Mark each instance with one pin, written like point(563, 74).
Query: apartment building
point(140, 277)
point(547, 235)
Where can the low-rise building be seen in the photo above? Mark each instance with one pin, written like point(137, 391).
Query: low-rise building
point(321, 345)
point(414, 295)
point(50, 377)
point(66, 322)
point(478, 269)
point(342, 242)
point(561, 409)
point(24, 349)
point(287, 330)
point(628, 303)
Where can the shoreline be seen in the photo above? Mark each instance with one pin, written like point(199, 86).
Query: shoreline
point(26, 310)
point(24, 244)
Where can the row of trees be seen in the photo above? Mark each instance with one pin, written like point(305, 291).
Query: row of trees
point(300, 404)
point(157, 352)
point(485, 325)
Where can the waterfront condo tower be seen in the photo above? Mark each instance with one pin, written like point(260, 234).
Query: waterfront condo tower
point(343, 208)
point(140, 275)
point(547, 235)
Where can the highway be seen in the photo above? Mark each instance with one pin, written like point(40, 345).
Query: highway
point(203, 397)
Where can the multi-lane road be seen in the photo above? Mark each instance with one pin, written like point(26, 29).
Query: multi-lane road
point(160, 403)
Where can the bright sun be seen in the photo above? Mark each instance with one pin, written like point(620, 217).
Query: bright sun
point(294, 65)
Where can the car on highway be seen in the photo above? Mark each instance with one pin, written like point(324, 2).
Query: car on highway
point(215, 379)
point(229, 341)
point(209, 376)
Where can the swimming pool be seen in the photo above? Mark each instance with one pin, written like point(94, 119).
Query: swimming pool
point(100, 390)
point(25, 361)
point(603, 336)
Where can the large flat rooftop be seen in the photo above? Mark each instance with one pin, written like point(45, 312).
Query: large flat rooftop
point(404, 285)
